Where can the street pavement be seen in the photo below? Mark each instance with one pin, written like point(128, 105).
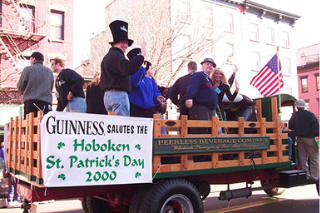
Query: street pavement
point(303, 199)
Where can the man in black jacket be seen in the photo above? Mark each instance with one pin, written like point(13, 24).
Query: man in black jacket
point(69, 86)
point(116, 69)
point(306, 128)
point(180, 87)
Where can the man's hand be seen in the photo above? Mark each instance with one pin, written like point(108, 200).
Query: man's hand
point(189, 103)
point(162, 101)
point(69, 96)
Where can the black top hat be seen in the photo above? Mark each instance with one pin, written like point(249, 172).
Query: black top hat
point(209, 60)
point(37, 55)
point(119, 30)
point(132, 53)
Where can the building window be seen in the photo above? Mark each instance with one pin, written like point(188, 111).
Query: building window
point(228, 22)
point(317, 81)
point(255, 61)
point(304, 84)
point(208, 18)
point(57, 25)
point(284, 42)
point(27, 14)
point(270, 36)
point(183, 11)
point(229, 48)
point(254, 32)
point(286, 66)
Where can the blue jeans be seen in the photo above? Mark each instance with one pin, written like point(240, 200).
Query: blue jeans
point(12, 190)
point(77, 104)
point(117, 101)
point(290, 143)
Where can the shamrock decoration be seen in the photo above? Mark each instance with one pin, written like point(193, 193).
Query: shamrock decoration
point(138, 174)
point(138, 147)
point(62, 177)
point(60, 145)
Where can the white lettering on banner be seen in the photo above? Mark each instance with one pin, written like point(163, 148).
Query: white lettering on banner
point(79, 149)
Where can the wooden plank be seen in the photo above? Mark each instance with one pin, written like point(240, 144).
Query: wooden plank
point(156, 125)
point(258, 108)
point(241, 126)
point(215, 160)
point(215, 125)
point(18, 148)
point(184, 125)
point(37, 138)
point(228, 163)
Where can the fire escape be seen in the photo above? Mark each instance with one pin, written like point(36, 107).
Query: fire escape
point(18, 32)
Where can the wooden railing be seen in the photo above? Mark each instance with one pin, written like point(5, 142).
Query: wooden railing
point(188, 161)
point(25, 151)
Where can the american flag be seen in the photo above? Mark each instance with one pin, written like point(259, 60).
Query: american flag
point(269, 80)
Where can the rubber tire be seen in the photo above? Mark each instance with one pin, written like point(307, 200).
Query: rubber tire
point(162, 190)
point(273, 191)
point(137, 199)
point(84, 205)
point(95, 205)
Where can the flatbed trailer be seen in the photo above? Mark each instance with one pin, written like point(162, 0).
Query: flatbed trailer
point(184, 165)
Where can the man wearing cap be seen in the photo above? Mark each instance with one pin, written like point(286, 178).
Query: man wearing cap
point(145, 95)
point(306, 128)
point(116, 69)
point(179, 89)
point(201, 97)
point(36, 83)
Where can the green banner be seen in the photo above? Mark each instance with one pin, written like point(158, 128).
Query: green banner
point(195, 145)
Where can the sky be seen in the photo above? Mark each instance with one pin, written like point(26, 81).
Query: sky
point(89, 20)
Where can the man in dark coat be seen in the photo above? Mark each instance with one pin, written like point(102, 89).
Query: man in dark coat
point(69, 86)
point(116, 69)
point(178, 90)
point(306, 128)
point(201, 97)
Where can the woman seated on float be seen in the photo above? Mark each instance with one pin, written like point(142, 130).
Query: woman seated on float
point(232, 105)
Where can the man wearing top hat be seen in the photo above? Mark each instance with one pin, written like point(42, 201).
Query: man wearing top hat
point(201, 97)
point(116, 69)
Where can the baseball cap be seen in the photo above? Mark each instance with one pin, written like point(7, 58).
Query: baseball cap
point(37, 55)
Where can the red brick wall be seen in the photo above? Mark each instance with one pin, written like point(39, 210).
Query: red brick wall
point(313, 94)
point(47, 46)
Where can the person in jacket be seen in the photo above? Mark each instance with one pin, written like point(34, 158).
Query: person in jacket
point(116, 69)
point(94, 96)
point(145, 95)
point(178, 90)
point(201, 97)
point(69, 87)
point(36, 83)
point(231, 104)
point(306, 127)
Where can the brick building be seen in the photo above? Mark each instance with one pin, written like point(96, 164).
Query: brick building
point(26, 26)
point(308, 59)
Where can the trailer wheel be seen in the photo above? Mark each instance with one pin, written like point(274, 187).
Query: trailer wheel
point(137, 199)
point(175, 195)
point(272, 191)
point(84, 204)
point(95, 205)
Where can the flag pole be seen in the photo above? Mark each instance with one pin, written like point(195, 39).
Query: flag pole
point(279, 81)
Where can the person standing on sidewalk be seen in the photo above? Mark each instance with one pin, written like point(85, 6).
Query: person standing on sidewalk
point(306, 128)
